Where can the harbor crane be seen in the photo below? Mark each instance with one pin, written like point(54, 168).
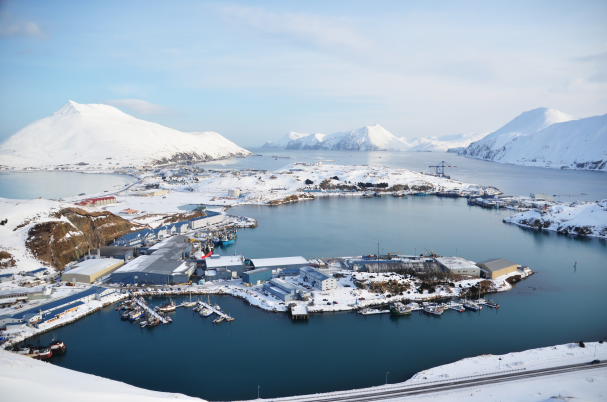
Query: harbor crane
point(439, 170)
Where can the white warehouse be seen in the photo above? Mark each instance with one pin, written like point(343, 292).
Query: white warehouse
point(318, 279)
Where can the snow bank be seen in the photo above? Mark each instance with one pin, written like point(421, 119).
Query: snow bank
point(578, 218)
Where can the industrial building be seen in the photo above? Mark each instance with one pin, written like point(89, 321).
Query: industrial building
point(152, 193)
point(318, 279)
point(37, 273)
point(35, 293)
point(88, 271)
point(281, 262)
point(163, 265)
point(459, 266)
point(6, 277)
point(147, 236)
point(120, 253)
point(286, 291)
point(52, 311)
point(218, 267)
point(256, 276)
point(495, 267)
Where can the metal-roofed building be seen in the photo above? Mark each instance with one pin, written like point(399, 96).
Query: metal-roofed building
point(459, 266)
point(256, 276)
point(88, 271)
point(29, 293)
point(318, 279)
point(37, 273)
point(164, 266)
point(286, 291)
point(224, 267)
point(495, 267)
point(117, 252)
point(281, 262)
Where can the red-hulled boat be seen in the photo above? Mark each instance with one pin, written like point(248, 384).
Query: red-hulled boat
point(57, 346)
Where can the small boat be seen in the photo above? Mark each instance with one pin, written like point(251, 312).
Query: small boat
point(217, 307)
point(218, 320)
point(190, 303)
point(57, 346)
point(125, 315)
point(432, 310)
point(22, 350)
point(170, 306)
point(399, 309)
point(136, 315)
point(153, 323)
point(468, 305)
point(421, 194)
point(169, 319)
point(206, 312)
point(143, 324)
point(492, 304)
point(45, 353)
point(371, 311)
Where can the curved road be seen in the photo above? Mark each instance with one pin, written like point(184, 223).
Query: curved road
point(399, 391)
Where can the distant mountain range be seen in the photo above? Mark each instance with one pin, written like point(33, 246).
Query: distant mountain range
point(548, 138)
point(370, 138)
point(103, 135)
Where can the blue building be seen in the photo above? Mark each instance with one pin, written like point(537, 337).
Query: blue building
point(286, 291)
point(256, 276)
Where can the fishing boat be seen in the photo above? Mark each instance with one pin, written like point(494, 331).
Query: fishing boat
point(45, 353)
point(468, 305)
point(169, 319)
point(23, 350)
point(450, 194)
point(125, 315)
point(136, 315)
point(57, 346)
point(492, 304)
point(371, 311)
point(218, 320)
point(421, 194)
point(399, 309)
point(170, 306)
point(433, 310)
point(206, 312)
point(143, 324)
point(153, 323)
point(190, 303)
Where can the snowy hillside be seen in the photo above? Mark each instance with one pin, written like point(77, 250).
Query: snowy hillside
point(492, 146)
point(103, 135)
point(547, 138)
point(578, 218)
point(371, 138)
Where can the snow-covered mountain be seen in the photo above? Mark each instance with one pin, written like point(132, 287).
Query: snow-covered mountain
point(102, 135)
point(444, 142)
point(548, 138)
point(527, 123)
point(368, 138)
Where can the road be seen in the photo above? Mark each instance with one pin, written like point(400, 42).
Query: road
point(385, 393)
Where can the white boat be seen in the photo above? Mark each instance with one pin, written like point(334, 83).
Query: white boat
point(206, 312)
point(370, 311)
point(218, 320)
point(433, 310)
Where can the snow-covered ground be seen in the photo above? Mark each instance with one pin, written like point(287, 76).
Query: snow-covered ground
point(26, 379)
point(103, 136)
point(371, 138)
point(578, 218)
point(547, 138)
point(21, 216)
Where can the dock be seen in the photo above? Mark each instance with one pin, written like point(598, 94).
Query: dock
point(215, 311)
point(299, 312)
point(149, 310)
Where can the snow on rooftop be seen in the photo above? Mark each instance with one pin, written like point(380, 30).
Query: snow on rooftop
point(224, 261)
point(89, 267)
point(275, 262)
point(456, 262)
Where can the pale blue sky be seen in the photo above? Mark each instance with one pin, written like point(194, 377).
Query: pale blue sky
point(253, 71)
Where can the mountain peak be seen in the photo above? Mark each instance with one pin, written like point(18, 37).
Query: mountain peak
point(72, 107)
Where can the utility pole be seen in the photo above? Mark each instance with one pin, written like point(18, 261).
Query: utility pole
point(258, 392)
point(387, 372)
point(378, 257)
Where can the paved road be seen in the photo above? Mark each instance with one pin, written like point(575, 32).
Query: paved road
point(401, 391)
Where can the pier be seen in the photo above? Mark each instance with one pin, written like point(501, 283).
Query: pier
point(299, 312)
point(149, 310)
point(215, 311)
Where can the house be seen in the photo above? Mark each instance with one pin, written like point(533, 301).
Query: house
point(318, 279)
point(496, 267)
point(129, 211)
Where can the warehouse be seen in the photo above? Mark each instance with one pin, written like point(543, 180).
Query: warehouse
point(6, 277)
point(496, 267)
point(281, 262)
point(256, 276)
point(40, 292)
point(165, 265)
point(224, 267)
point(37, 273)
point(120, 253)
point(286, 291)
point(459, 266)
point(211, 218)
point(88, 271)
point(152, 193)
point(318, 279)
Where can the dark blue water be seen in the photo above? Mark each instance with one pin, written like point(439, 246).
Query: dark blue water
point(345, 350)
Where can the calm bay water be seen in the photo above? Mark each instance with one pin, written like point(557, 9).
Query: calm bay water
point(54, 185)
point(337, 351)
point(345, 350)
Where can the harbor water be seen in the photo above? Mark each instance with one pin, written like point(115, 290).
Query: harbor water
point(560, 303)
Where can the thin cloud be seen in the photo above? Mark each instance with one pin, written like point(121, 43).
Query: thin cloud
point(310, 29)
point(141, 106)
point(27, 29)
point(599, 61)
